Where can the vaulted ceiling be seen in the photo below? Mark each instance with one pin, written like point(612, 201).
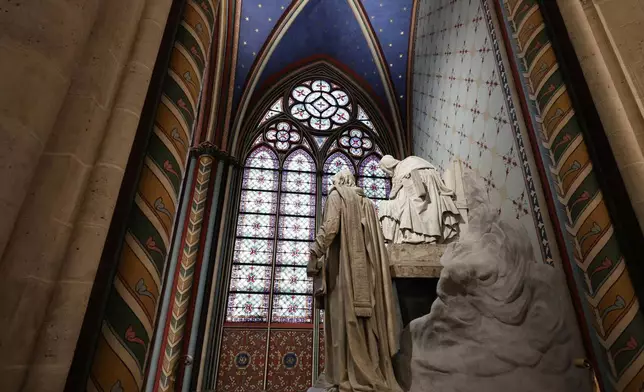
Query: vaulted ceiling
point(368, 39)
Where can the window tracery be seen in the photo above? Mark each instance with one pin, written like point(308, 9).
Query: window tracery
point(320, 104)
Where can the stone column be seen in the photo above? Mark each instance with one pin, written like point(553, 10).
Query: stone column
point(55, 346)
point(34, 255)
point(617, 106)
point(40, 46)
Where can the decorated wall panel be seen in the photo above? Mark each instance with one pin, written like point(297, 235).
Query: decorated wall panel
point(129, 319)
point(610, 304)
point(462, 109)
point(290, 360)
point(242, 360)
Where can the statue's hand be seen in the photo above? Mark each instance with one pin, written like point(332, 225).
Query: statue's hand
point(313, 267)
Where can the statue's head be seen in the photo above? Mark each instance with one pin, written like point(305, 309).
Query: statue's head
point(388, 164)
point(344, 178)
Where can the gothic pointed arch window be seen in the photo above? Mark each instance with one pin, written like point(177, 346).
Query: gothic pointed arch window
point(313, 130)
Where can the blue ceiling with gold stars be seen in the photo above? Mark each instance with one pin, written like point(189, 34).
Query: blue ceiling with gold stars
point(329, 29)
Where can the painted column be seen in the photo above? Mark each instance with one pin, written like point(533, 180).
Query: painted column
point(610, 305)
point(130, 315)
point(183, 288)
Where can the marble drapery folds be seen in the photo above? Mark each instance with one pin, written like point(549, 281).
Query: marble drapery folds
point(421, 208)
point(496, 324)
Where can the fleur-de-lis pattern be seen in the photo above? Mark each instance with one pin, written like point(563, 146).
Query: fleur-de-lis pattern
point(462, 109)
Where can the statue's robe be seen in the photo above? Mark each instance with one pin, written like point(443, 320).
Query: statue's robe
point(359, 319)
point(421, 208)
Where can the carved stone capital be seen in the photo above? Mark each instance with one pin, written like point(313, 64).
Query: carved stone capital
point(211, 149)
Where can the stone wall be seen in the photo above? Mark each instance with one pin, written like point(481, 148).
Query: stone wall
point(73, 79)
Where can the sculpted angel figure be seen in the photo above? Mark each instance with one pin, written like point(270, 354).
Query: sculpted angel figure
point(359, 324)
point(421, 208)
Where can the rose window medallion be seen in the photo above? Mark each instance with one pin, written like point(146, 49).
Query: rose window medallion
point(320, 105)
point(356, 142)
point(283, 135)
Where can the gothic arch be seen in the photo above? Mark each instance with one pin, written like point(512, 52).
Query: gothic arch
point(262, 294)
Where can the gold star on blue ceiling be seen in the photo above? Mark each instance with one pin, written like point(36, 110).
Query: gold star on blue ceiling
point(258, 18)
point(391, 20)
point(328, 28)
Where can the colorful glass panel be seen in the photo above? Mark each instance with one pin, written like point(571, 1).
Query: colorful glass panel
point(356, 142)
point(293, 253)
point(277, 106)
point(268, 275)
point(374, 188)
point(258, 202)
point(292, 280)
point(297, 204)
point(321, 105)
point(373, 180)
point(263, 158)
point(370, 167)
point(320, 140)
point(260, 179)
point(253, 251)
point(302, 182)
point(244, 308)
point(257, 226)
point(292, 308)
point(254, 278)
point(283, 135)
point(296, 228)
point(300, 161)
point(363, 118)
point(334, 163)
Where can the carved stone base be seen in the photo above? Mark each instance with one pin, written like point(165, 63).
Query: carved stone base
point(415, 261)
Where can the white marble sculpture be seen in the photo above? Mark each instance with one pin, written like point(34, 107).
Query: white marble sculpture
point(498, 324)
point(421, 208)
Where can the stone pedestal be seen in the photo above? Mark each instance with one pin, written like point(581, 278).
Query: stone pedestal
point(415, 261)
point(414, 270)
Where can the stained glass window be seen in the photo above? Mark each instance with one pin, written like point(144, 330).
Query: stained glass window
point(314, 130)
point(373, 180)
